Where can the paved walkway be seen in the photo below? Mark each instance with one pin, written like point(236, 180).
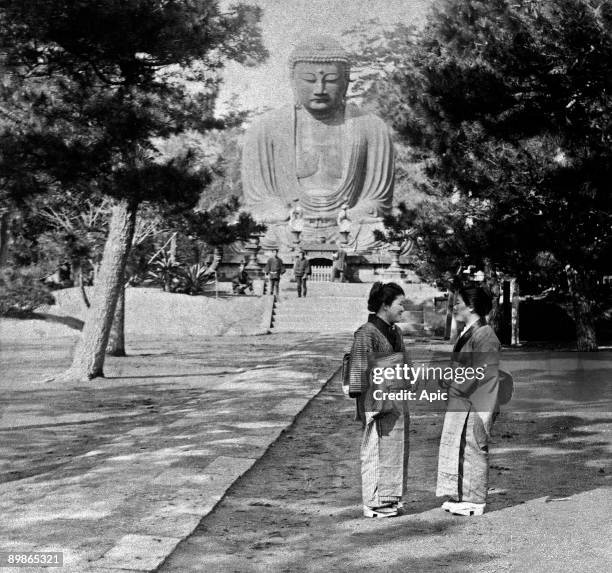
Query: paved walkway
point(117, 472)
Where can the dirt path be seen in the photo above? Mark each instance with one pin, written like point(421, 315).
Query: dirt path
point(298, 509)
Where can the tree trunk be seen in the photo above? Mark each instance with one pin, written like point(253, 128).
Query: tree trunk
point(5, 221)
point(84, 297)
point(495, 316)
point(450, 303)
point(116, 340)
point(586, 338)
point(173, 248)
point(90, 351)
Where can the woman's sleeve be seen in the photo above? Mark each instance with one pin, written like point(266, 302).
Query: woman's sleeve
point(486, 354)
point(358, 381)
point(483, 351)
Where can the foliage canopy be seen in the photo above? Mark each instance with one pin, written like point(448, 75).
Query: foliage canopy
point(509, 105)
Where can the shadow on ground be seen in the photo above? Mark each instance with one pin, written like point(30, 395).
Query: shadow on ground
point(298, 509)
point(54, 428)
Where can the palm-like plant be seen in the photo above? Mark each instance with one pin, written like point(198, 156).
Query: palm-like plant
point(193, 278)
point(165, 269)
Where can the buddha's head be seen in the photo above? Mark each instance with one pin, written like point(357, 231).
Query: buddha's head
point(319, 70)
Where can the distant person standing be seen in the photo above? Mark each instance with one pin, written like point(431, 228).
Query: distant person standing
point(339, 265)
point(273, 270)
point(301, 271)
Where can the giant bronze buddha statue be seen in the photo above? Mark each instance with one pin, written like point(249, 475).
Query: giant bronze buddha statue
point(321, 154)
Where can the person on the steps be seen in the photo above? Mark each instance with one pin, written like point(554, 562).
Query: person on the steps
point(301, 272)
point(273, 270)
point(379, 344)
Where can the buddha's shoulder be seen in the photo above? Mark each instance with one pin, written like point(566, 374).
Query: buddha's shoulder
point(367, 121)
point(273, 118)
point(359, 114)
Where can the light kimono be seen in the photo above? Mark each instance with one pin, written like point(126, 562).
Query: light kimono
point(384, 447)
point(463, 462)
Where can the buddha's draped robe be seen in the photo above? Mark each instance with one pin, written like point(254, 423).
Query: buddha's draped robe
point(270, 181)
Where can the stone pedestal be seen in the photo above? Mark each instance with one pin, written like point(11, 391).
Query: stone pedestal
point(253, 267)
point(295, 233)
point(394, 271)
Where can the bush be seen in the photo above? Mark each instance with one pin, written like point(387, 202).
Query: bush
point(21, 291)
point(193, 279)
point(164, 272)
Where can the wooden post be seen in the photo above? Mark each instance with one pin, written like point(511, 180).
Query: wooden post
point(448, 328)
point(173, 247)
point(506, 314)
point(515, 298)
point(5, 222)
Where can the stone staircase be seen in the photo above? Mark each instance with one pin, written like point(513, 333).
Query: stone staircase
point(334, 307)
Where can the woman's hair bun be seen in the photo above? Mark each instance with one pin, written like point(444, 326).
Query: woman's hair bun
point(383, 293)
point(477, 298)
point(375, 298)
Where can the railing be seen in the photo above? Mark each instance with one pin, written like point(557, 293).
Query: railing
point(320, 274)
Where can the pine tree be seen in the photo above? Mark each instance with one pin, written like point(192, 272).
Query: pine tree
point(508, 103)
point(103, 80)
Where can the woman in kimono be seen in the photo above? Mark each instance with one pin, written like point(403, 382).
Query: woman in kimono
point(472, 407)
point(384, 448)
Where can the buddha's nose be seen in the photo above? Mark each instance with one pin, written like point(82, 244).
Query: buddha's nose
point(320, 86)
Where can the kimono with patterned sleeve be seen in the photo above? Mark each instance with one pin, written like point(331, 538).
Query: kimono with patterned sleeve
point(384, 447)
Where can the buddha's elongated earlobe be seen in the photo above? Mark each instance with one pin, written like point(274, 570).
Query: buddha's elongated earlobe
point(296, 102)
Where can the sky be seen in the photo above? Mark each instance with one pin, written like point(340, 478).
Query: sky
point(285, 22)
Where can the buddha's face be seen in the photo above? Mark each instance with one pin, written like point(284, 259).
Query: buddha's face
point(319, 87)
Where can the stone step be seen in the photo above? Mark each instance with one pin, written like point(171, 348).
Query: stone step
point(318, 323)
point(337, 313)
point(282, 321)
point(416, 293)
point(333, 307)
point(407, 329)
point(349, 319)
point(339, 306)
point(326, 303)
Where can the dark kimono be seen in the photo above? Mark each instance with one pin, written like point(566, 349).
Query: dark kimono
point(384, 447)
point(463, 462)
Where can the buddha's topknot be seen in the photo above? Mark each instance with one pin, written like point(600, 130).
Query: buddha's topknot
point(322, 49)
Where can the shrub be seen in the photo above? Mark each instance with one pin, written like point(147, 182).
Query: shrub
point(164, 272)
point(193, 278)
point(21, 291)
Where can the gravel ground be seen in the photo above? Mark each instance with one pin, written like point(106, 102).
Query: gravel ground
point(298, 509)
